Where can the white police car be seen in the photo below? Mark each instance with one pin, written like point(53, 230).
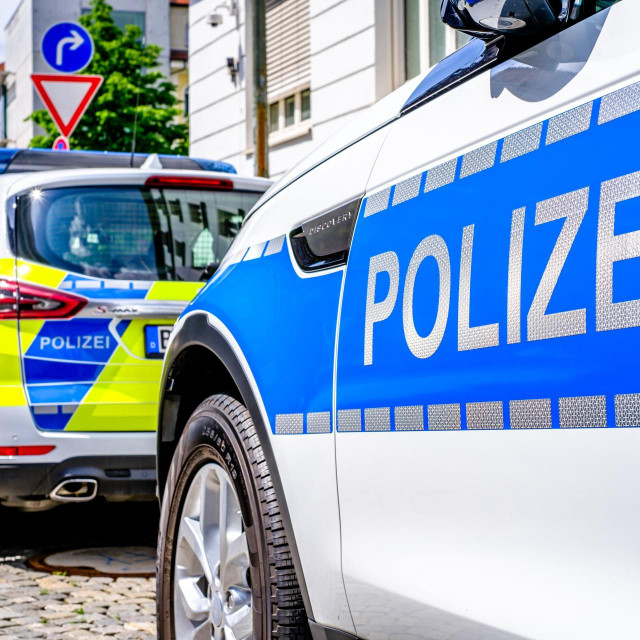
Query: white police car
point(408, 405)
point(96, 264)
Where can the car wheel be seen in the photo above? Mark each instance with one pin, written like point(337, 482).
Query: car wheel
point(224, 564)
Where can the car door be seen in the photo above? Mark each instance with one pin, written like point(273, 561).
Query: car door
point(131, 257)
point(486, 394)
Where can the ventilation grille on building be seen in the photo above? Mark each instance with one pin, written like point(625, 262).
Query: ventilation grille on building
point(288, 48)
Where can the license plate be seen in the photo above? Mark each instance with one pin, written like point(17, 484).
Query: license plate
point(156, 338)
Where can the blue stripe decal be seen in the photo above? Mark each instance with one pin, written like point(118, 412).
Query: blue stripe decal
point(104, 289)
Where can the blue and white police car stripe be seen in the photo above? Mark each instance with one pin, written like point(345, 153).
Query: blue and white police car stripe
point(576, 412)
point(565, 125)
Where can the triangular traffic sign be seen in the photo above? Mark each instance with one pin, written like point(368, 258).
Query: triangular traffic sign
point(66, 97)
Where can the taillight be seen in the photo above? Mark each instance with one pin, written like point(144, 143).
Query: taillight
point(187, 182)
point(19, 299)
point(31, 450)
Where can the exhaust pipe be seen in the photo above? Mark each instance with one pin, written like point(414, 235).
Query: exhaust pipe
point(75, 490)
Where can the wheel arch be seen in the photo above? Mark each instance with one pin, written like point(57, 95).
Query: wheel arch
point(199, 363)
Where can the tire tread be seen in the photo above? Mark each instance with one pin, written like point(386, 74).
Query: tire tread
point(288, 616)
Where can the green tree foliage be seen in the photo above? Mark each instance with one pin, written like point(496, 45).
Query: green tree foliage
point(130, 78)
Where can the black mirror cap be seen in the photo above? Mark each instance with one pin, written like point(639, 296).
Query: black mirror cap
point(487, 18)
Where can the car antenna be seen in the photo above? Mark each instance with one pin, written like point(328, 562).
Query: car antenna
point(135, 126)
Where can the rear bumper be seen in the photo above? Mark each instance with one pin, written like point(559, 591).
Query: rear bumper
point(119, 477)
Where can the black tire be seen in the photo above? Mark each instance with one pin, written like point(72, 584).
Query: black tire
point(221, 430)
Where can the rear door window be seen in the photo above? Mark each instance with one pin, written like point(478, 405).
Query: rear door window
point(130, 232)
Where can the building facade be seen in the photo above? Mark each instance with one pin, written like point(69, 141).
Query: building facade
point(179, 52)
point(26, 28)
point(327, 60)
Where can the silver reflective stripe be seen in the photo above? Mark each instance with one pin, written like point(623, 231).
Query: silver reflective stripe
point(569, 123)
point(377, 202)
point(349, 420)
point(409, 418)
point(274, 246)
point(522, 142)
point(484, 415)
point(583, 411)
point(255, 251)
point(441, 175)
point(407, 189)
point(619, 103)
point(530, 414)
point(45, 409)
point(319, 422)
point(627, 410)
point(289, 423)
point(479, 159)
point(377, 419)
point(444, 417)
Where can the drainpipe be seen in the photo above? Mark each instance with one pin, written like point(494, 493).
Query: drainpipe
point(261, 159)
point(3, 97)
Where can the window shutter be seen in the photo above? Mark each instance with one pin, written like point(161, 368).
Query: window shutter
point(288, 46)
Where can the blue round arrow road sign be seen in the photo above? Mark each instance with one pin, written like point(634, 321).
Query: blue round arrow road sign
point(67, 47)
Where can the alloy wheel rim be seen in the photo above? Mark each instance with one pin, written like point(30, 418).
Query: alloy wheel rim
point(211, 586)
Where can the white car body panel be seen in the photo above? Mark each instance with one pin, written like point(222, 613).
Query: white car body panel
point(496, 534)
point(490, 534)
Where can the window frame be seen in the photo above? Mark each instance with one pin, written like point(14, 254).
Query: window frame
point(23, 217)
point(300, 127)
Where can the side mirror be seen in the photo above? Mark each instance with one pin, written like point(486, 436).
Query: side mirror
point(487, 18)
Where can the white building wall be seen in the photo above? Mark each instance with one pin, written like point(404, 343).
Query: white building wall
point(342, 81)
point(342, 62)
point(217, 105)
point(24, 34)
point(19, 62)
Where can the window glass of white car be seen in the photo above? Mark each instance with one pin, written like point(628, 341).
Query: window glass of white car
point(130, 233)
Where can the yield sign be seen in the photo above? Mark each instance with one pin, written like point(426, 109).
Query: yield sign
point(66, 97)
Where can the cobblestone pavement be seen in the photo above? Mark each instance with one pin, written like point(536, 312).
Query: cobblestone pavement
point(40, 605)
point(70, 607)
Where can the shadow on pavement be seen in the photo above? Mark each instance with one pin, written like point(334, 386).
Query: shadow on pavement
point(78, 525)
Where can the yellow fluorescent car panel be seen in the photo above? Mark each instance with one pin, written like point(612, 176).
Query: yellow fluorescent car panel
point(100, 369)
point(104, 269)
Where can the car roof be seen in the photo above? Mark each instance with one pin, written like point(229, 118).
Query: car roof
point(21, 160)
point(14, 183)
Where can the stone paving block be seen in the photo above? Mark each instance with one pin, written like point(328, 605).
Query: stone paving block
point(58, 606)
point(37, 605)
point(53, 583)
point(29, 620)
point(146, 627)
point(95, 607)
point(123, 606)
point(111, 629)
point(25, 599)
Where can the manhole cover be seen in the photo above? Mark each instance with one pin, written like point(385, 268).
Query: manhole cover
point(99, 561)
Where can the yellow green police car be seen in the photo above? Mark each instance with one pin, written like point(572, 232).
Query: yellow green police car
point(99, 254)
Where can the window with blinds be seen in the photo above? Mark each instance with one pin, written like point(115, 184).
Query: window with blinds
point(288, 47)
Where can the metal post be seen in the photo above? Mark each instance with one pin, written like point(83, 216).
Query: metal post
point(3, 98)
point(260, 88)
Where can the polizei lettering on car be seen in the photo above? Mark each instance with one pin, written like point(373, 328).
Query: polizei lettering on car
point(610, 248)
point(496, 312)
